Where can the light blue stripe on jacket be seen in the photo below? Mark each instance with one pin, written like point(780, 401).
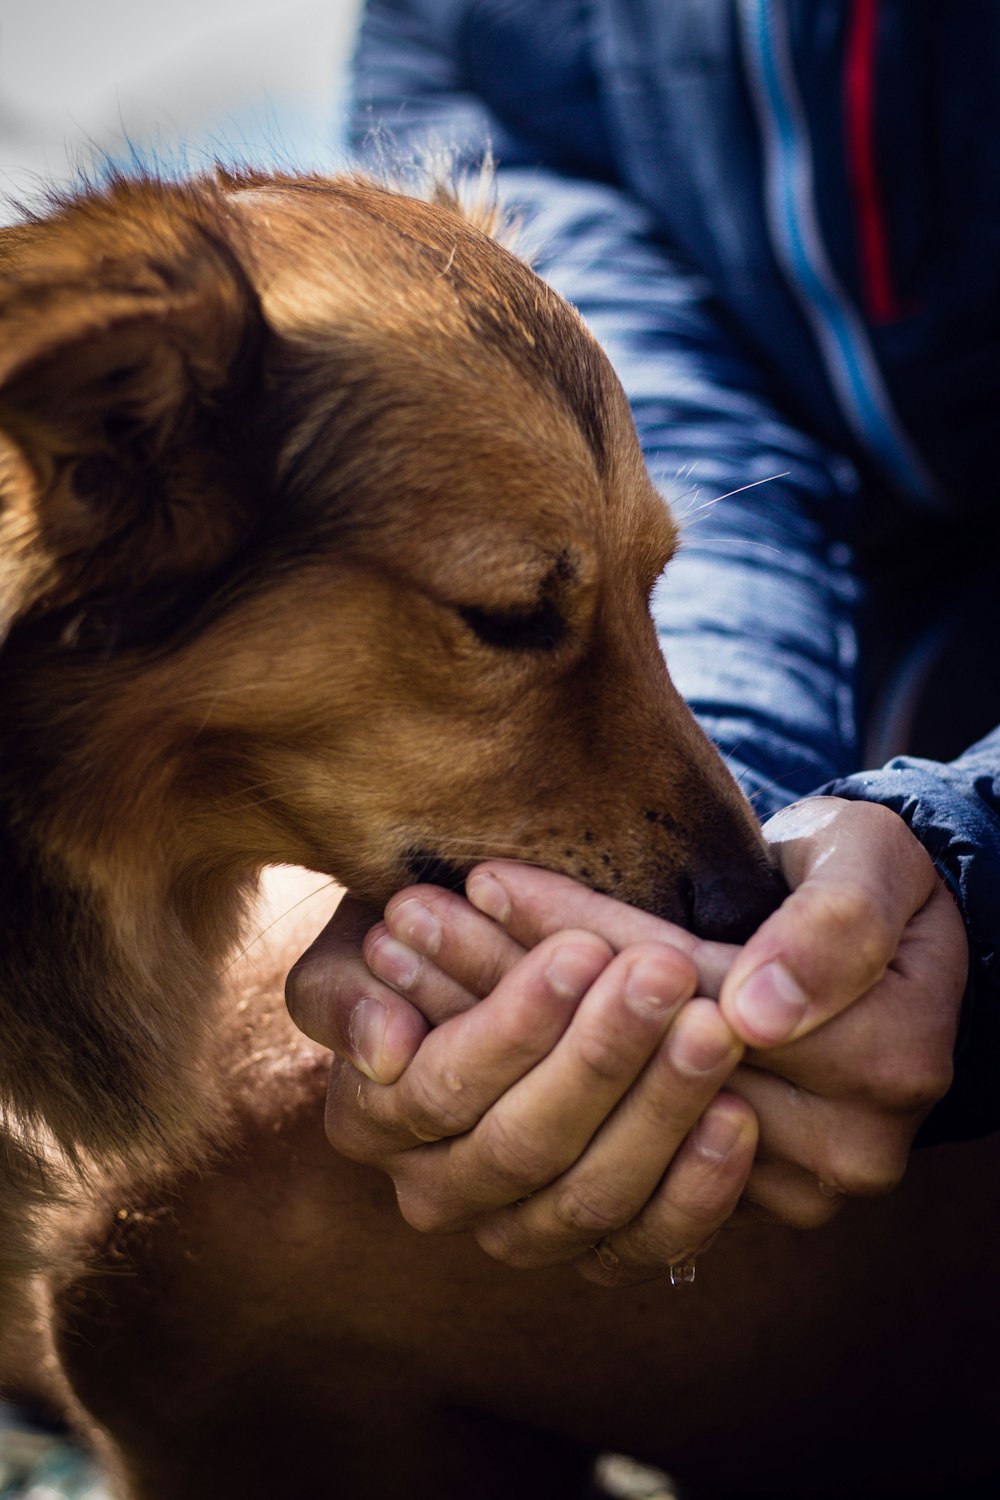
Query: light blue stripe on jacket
point(793, 223)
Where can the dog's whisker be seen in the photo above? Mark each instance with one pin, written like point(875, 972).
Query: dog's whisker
point(286, 912)
point(720, 543)
point(768, 479)
point(772, 784)
point(695, 512)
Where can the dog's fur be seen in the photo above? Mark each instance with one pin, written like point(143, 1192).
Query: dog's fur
point(325, 540)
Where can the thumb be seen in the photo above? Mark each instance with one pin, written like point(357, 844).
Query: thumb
point(334, 998)
point(857, 876)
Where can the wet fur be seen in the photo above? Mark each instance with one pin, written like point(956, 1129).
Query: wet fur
point(325, 540)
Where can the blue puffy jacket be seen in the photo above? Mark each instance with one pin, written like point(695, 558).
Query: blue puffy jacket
point(781, 218)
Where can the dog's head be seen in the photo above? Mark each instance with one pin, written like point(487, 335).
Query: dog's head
point(325, 517)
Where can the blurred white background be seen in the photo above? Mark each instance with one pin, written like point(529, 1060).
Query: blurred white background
point(183, 80)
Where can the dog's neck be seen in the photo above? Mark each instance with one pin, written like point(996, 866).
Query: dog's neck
point(123, 909)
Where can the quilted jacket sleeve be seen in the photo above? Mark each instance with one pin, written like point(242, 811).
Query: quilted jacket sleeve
point(759, 612)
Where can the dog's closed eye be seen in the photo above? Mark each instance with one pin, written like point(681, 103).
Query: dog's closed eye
point(539, 625)
point(540, 628)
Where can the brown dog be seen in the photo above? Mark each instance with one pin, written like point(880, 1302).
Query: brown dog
point(325, 540)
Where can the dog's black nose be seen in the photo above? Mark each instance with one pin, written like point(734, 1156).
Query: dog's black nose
point(729, 905)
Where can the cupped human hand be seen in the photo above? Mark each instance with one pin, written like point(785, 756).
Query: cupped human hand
point(847, 999)
point(565, 1104)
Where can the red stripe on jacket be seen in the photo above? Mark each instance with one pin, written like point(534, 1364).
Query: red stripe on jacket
point(859, 120)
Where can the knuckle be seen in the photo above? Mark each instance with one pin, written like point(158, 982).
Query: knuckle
point(693, 1217)
point(509, 1155)
point(655, 1247)
point(809, 1213)
point(494, 961)
point(422, 1210)
point(509, 1249)
point(872, 814)
point(667, 1232)
point(612, 1272)
point(935, 1083)
point(853, 917)
point(307, 994)
point(343, 1135)
point(913, 1091)
point(869, 1175)
point(585, 1212)
point(430, 1110)
point(600, 1051)
point(859, 918)
point(793, 1197)
point(707, 1202)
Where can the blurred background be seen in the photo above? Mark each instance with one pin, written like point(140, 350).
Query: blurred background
point(180, 82)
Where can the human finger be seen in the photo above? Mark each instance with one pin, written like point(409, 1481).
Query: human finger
point(846, 1145)
point(438, 950)
point(618, 1172)
point(333, 997)
point(469, 1061)
point(839, 1108)
point(697, 1197)
point(893, 1047)
point(542, 1124)
point(858, 876)
point(787, 1196)
point(530, 903)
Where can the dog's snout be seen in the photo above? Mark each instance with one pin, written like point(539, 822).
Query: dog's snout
point(729, 905)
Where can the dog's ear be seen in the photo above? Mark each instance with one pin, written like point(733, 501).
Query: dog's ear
point(129, 338)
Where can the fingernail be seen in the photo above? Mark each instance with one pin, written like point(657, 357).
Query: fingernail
point(570, 973)
point(697, 1046)
point(485, 892)
point(393, 962)
point(650, 993)
point(717, 1133)
point(366, 1033)
point(770, 1003)
point(416, 924)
